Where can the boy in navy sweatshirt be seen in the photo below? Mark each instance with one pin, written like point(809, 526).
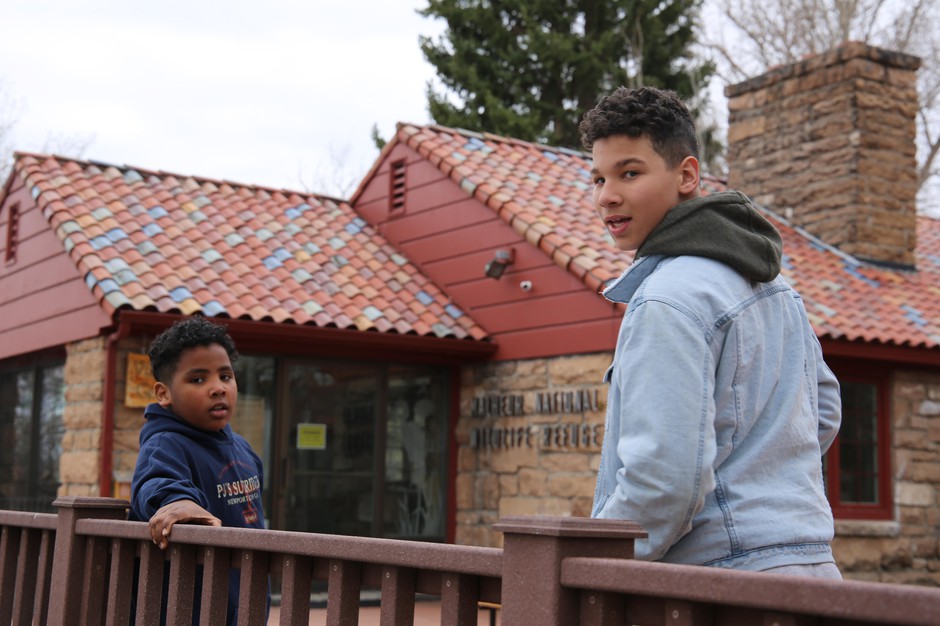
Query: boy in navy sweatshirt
point(192, 468)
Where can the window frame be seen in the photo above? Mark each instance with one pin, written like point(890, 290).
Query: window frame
point(878, 376)
point(37, 364)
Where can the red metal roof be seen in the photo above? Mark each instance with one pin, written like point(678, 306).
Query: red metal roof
point(153, 241)
point(544, 194)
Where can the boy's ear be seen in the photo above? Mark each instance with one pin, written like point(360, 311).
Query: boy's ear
point(689, 177)
point(162, 393)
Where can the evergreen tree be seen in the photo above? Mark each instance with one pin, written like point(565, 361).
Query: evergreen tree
point(531, 68)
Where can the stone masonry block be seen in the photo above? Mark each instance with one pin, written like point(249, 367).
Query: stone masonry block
point(84, 392)
point(508, 485)
point(84, 415)
point(571, 485)
point(916, 494)
point(587, 369)
point(489, 488)
point(464, 492)
point(79, 467)
point(532, 482)
point(566, 462)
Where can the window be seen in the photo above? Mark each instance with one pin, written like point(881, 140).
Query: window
point(32, 398)
point(858, 466)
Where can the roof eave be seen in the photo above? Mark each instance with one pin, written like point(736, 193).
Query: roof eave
point(918, 355)
point(309, 340)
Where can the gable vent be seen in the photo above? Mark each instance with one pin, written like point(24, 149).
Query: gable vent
point(13, 228)
point(396, 186)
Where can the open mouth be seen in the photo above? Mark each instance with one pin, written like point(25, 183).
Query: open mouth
point(219, 410)
point(617, 224)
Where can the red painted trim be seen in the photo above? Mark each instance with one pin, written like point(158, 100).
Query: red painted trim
point(452, 453)
point(106, 465)
point(874, 351)
point(291, 339)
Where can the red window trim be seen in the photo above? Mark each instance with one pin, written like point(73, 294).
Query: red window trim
point(884, 508)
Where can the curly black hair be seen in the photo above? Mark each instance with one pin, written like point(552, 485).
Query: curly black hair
point(656, 113)
point(187, 333)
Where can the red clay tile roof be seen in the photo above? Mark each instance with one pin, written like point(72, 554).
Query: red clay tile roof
point(544, 194)
point(160, 242)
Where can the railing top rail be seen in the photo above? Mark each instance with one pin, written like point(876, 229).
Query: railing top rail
point(570, 527)
point(852, 600)
point(25, 519)
point(417, 554)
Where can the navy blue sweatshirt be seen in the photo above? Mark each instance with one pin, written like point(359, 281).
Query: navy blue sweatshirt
point(217, 470)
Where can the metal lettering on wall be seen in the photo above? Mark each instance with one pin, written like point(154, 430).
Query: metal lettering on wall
point(549, 436)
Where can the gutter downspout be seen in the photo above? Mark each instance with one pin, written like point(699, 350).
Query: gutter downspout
point(105, 479)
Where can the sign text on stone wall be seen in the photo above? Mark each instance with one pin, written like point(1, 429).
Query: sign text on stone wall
point(551, 436)
point(507, 405)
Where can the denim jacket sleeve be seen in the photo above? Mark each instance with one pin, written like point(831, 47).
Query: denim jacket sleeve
point(829, 402)
point(663, 422)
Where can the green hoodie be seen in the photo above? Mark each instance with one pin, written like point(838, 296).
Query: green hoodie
point(723, 226)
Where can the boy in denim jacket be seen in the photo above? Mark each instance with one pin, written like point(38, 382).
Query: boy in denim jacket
point(720, 405)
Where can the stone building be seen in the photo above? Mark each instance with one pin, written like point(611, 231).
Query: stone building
point(427, 356)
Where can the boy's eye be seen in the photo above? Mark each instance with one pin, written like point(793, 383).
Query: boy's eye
point(197, 379)
point(631, 174)
point(227, 377)
point(598, 181)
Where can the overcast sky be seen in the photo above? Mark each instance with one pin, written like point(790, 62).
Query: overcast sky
point(281, 93)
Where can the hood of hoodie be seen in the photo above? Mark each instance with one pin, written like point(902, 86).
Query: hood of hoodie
point(161, 420)
point(723, 226)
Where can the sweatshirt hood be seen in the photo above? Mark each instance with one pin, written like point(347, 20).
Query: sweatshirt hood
point(161, 420)
point(723, 226)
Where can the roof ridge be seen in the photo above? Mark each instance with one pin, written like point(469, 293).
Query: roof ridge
point(485, 135)
point(165, 173)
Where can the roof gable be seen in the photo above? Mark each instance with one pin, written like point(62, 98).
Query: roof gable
point(153, 241)
point(544, 194)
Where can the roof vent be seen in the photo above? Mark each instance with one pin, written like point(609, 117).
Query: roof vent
point(13, 228)
point(396, 186)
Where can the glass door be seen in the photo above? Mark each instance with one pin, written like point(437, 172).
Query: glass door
point(415, 454)
point(328, 445)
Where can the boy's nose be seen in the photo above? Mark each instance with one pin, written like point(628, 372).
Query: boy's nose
point(607, 197)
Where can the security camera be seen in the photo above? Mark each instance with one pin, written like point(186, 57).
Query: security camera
point(526, 285)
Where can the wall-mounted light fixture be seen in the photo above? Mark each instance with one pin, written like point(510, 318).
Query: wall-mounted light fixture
point(501, 260)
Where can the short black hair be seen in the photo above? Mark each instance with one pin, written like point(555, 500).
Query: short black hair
point(187, 333)
point(656, 113)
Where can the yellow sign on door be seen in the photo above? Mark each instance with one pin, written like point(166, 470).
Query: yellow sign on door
point(311, 436)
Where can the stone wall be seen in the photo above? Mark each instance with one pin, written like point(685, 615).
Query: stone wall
point(127, 420)
point(529, 439)
point(907, 548)
point(79, 464)
point(829, 144)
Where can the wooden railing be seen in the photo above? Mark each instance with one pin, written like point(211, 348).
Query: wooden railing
point(78, 567)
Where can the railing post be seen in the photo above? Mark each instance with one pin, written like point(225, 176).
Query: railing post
point(533, 550)
point(69, 554)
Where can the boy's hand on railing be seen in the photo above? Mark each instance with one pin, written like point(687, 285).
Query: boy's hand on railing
point(180, 511)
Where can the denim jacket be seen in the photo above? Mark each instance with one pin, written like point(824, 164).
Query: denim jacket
point(719, 408)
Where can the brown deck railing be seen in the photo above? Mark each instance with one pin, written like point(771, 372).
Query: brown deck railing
point(77, 567)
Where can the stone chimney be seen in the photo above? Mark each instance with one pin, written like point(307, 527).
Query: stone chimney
point(829, 144)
